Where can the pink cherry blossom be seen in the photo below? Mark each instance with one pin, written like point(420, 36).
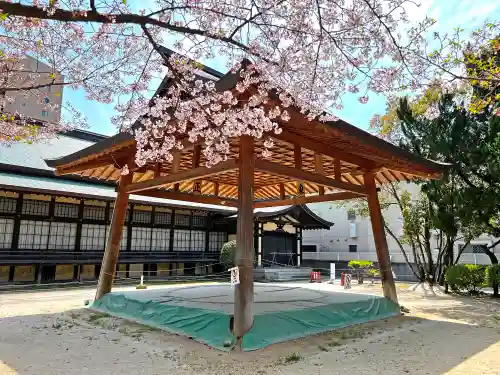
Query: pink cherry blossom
point(288, 53)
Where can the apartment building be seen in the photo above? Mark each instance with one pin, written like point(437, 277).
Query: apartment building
point(43, 104)
point(351, 238)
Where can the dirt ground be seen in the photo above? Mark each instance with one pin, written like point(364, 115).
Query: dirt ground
point(51, 333)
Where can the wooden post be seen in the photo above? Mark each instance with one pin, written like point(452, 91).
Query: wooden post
point(195, 164)
point(282, 191)
point(318, 167)
point(337, 170)
point(380, 239)
point(243, 295)
point(297, 155)
point(112, 251)
point(176, 162)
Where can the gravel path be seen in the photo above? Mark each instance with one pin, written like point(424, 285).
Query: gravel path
point(49, 333)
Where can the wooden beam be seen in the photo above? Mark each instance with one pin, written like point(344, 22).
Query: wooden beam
point(318, 167)
point(380, 240)
point(337, 169)
point(191, 174)
point(282, 191)
point(243, 292)
point(176, 164)
point(110, 259)
point(157, 171)
point(216, 188)
point(322, 149)
point(187, 197)
point(297, 155)
point(195, 163)
point(307, 199)
point(84, 167)
point(281, 170)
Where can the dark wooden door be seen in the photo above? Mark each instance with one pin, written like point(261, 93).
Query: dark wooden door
point(279, 249)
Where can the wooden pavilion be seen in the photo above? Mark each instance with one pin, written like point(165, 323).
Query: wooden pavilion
point(312, 162)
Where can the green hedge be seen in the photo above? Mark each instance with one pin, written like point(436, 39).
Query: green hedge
point(493, 277)
point(468, 278)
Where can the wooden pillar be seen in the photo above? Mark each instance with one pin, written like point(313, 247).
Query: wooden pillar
point(318, 167)
point(176, 162)
point(336, 170)
point(380, 239)
point(195, 163)
point(110, 260)
point(243, 295)
point(297, 155)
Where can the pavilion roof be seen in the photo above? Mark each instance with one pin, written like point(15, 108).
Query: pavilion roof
point(299, 215)
point(337, 150)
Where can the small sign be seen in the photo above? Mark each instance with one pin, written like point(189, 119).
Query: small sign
point(300, 189)
point(235, 275)
point(197, 187)
point(332, 272)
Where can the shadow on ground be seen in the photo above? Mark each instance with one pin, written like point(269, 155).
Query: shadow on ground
point(80, 342)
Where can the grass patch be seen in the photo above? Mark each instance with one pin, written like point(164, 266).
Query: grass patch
point(292, 358)
point(334, 343)
point(351, 333)
point(94, 317)
point(138, 327)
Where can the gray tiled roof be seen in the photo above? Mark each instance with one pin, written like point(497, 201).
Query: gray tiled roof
point(88, 190)
point(33, 155)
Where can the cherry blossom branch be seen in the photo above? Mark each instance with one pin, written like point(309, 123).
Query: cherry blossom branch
point(22, 10)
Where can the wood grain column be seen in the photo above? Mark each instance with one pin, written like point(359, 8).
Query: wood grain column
point(110, 260)
point(243, 295)
point(380, 239)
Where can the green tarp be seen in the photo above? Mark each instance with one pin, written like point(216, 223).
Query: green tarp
point(211, 326)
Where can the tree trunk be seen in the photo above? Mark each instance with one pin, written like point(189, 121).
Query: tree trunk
point(493, 260)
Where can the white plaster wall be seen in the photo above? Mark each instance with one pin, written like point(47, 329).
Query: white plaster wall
point(32, 105)
point(336, 240)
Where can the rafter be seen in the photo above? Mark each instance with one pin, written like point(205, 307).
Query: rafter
point(318, 168)
point(307, 199)
point(321, 149)
point(297, 174)
point(187, 197)
point(84, 167)
point(191, 174)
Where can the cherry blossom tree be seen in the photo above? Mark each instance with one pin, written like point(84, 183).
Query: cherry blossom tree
point(305, 54)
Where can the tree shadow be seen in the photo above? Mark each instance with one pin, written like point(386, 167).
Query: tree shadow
point(81, 341)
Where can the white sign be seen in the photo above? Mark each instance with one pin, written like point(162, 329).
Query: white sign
point(332, 272)
point(235, 275)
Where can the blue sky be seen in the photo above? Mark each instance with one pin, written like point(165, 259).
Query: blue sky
point(468, 14)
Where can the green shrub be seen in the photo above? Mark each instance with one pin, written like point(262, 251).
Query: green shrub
point(468, 278)
point(493, 277)
point(373, 273)
point(359, 267)
point(227, 253)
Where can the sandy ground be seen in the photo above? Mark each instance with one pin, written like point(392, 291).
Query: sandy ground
point(51, 333)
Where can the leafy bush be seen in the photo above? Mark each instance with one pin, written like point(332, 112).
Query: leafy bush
point(493, 277)
point(227, 253)
point(373, 273)
point(359, 267)
point(466, 277)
